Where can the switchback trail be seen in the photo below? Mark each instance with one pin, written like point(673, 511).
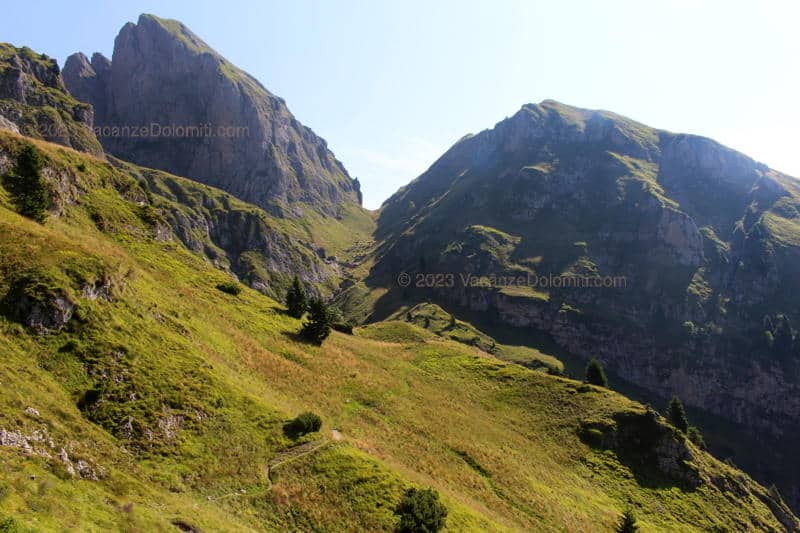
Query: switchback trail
point(290, 454)
point(286, 456)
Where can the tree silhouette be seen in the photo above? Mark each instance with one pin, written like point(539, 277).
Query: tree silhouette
point(677, 415)
point(296, 300)
point(26, 185)
point(318, 325)
point(627, 524)
point(595, 374)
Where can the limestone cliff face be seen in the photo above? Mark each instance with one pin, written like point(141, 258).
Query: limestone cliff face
point(703, 241)
point(35, 102)
point(236, 135)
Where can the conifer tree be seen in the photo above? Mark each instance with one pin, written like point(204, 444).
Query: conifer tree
point(296, 300)
point(627, 523)
point(318, 325)
point(595, 374)
point(26, 185)
point(677, 415)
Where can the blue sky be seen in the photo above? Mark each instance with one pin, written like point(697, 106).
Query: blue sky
point(391, 85)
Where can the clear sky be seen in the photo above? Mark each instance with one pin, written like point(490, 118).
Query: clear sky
point(391, 85)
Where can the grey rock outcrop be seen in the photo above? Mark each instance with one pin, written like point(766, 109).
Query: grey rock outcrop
point(34, 101)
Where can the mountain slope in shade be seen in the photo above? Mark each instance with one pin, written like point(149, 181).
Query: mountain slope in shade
point(163, 74)
point(703, 242)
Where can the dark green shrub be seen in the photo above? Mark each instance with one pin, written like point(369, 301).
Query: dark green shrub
point(420, 511)
point(27, 187)
point(230, 287)
point(343, 327)
point(627, 524)
point(9, 525)
point(296, 300)
point(81, 167)
point(318, 326)
point(595, 374)
point(676, 414)
point(303, 424)
point(696, 437)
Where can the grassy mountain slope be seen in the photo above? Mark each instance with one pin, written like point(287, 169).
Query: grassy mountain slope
point(264, 251)
point(168, 397)
point(433, 318)
point(695, 247)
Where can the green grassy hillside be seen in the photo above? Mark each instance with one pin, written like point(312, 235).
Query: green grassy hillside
point(262, 250)
point(669, 257)
point(433, 318)
point(136, 396)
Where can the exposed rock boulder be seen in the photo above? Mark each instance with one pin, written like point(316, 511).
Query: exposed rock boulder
point(6, 124)
point(37, 305)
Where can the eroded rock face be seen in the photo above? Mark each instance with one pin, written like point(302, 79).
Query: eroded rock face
point(39, 443)
point(243, 139)
point(235, 238)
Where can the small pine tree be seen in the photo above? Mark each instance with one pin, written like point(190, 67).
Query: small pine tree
point(677, 415)
point(296, 300)
point(595, 374)
point(318, 326)
point(26, 185)
point(627, 524)
point(421, 511)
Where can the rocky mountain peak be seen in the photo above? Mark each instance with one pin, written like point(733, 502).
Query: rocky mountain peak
point(89, 81)
point(78, 64)
point(200, 116)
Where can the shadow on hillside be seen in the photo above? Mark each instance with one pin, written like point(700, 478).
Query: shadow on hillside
point(655, 453)
point(295, 336)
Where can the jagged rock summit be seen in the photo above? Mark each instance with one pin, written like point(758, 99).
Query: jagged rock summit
point(234, 134)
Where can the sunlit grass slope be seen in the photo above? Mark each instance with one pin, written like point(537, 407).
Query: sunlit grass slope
point(173, 394)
